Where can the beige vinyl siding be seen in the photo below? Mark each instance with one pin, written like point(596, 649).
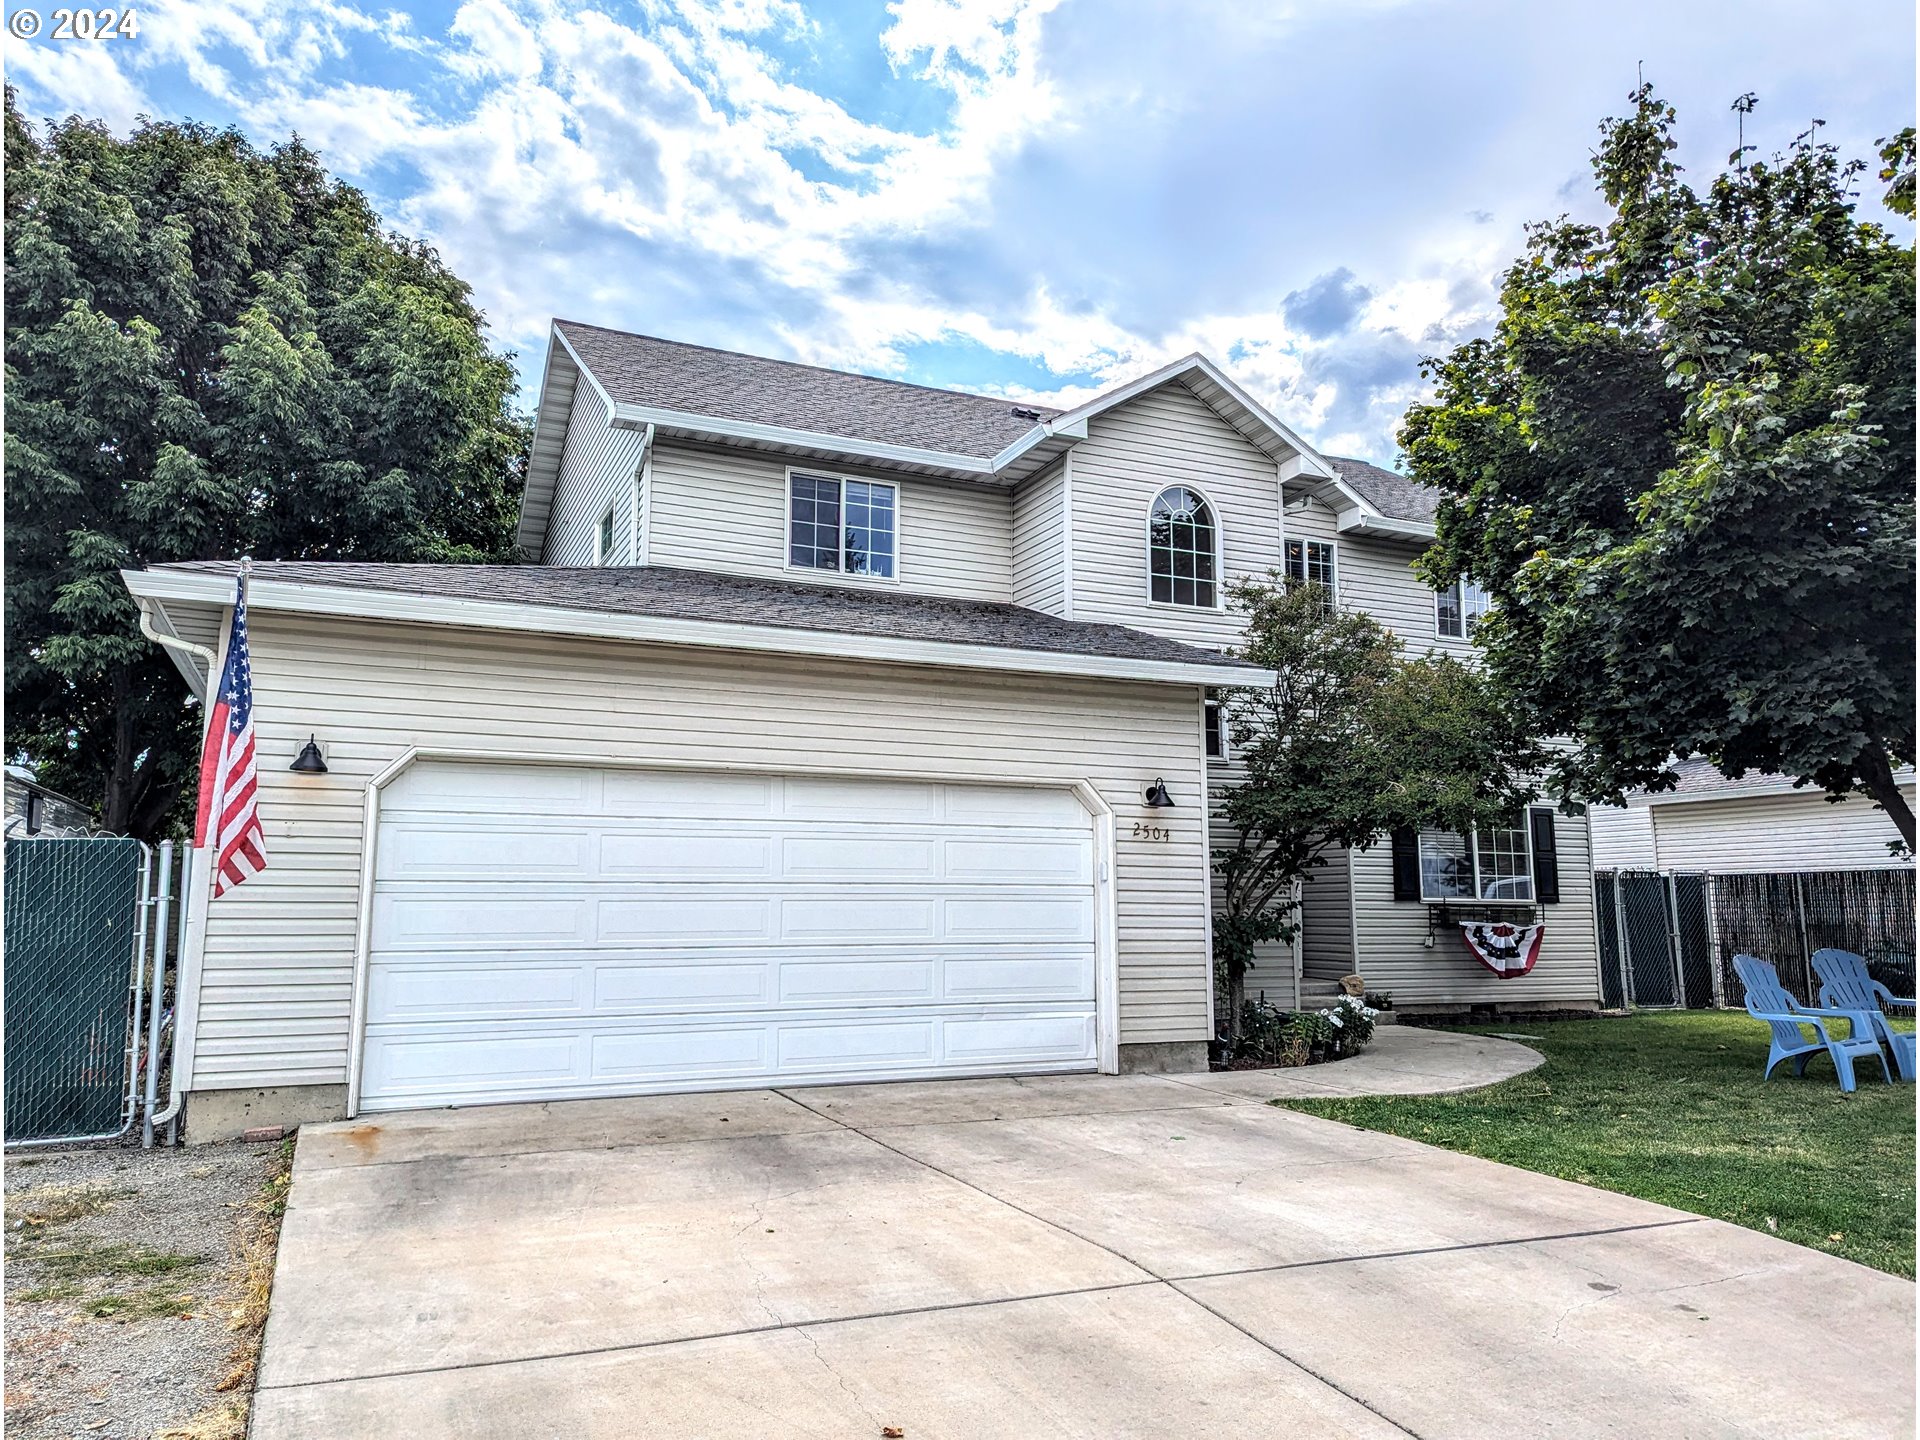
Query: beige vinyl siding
point(1394, 957)
point(1132, 453)
point(1774, 832)
point(1376, 577)
point(713, 509)
point(598, 472)
point(1326, 919)
point(1622, 838)
point(1040, 541)
point(277, 979)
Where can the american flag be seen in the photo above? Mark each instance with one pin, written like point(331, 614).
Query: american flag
point(229, 815)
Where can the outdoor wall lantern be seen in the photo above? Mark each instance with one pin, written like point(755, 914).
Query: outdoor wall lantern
point(1157, 797)
point(308, 761)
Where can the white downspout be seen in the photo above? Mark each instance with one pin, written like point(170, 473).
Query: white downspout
point(186, 983)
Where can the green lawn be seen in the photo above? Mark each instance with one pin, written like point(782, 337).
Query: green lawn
point(1671, 1107)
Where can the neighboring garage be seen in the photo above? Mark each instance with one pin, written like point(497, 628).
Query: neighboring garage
point(550, 931)
point(624, 831)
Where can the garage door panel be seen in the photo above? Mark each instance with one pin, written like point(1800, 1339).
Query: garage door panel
point(682, 1054)
point(407, 921)
point(628, 988)
point(478, 788)
point(1014, 805)
point(857, 859)
point(677, 918)
point(402, 992)
point(1009, 1040)
point(665, 793)
point(697, 931)
point(1027, 977)
point(856, 1046)
point(1016, 918)
point(857, 917)
point(870, 981)
point(996, 861)
point(681, 856)
point(415, 850)
point(427, 1063)
point(868, 801)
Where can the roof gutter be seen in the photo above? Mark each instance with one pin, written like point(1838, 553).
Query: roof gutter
point(343, 601)
point(1366, 522)
point(178, 650)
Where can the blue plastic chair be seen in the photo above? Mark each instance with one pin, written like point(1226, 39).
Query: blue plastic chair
point(1845, 985)
point(1768, 1000)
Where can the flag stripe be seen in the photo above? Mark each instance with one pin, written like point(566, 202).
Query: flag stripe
point(228, 816)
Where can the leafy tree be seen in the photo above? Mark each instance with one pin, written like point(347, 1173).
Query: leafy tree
point(212, 351)
point(1353, 740)
point(1683, 466)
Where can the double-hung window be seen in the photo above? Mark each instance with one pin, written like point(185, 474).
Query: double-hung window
point(1214, 731)
point(844, 525)
point(1458, 609)
point(1313, 562)
point(1489, 865)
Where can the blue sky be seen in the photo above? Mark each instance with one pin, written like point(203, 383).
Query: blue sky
point(1032, 197)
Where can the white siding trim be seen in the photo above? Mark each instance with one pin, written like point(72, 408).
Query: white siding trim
point(1107, 972)
point(1206, 848)
point(1066, 535)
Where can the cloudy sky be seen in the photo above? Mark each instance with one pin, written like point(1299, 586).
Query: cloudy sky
point(1030, 197)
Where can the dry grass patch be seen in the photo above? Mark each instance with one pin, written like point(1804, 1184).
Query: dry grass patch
point(257, 1247)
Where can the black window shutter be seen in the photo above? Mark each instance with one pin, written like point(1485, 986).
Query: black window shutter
point(1546, 857)
point(1406, 864)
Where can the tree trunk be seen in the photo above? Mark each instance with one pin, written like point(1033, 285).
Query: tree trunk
point(116, 808)
point(1876, 774)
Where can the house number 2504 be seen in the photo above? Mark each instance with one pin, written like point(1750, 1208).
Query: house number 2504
point(1143, 831)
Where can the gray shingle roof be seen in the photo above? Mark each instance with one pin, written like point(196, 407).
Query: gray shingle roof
point(668, 375)
point(1388, 491)
point(657, 590)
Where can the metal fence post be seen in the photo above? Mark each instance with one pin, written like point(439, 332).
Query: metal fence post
point(162, 899)
point(1670, 889)
point(1620, 943)
point(1806, 953)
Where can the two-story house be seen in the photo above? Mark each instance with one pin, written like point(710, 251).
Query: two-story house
point(836, 729)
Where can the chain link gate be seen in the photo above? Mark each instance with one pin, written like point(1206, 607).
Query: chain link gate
point(75, 946)
point(1655, 933)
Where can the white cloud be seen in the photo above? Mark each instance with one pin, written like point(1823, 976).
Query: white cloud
point(1076, 190)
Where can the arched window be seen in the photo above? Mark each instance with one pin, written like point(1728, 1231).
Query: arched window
point(1181, 545)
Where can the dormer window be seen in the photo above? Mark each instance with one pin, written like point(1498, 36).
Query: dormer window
point(844, 525)
point(1182, 549)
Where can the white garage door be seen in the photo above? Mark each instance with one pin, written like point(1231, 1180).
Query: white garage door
point(546, 931)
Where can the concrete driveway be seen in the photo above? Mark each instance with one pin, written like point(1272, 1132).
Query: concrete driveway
point(1088, 1256)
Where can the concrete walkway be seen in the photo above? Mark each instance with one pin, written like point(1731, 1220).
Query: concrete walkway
point(1402, 1060)
point(1074, 1256)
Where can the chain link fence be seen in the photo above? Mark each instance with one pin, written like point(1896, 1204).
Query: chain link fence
point(74, 912)
point(1785, 918)
point(1668, 939)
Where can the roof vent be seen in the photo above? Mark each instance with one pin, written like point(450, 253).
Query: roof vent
point(1023, 412)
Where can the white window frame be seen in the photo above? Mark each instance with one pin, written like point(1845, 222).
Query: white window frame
point(811, 472)
point(1218, 713)
point(1468, 621)
point(603, 536)
point(1219, 552)
point(1525, 827)
point(1332, 547)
